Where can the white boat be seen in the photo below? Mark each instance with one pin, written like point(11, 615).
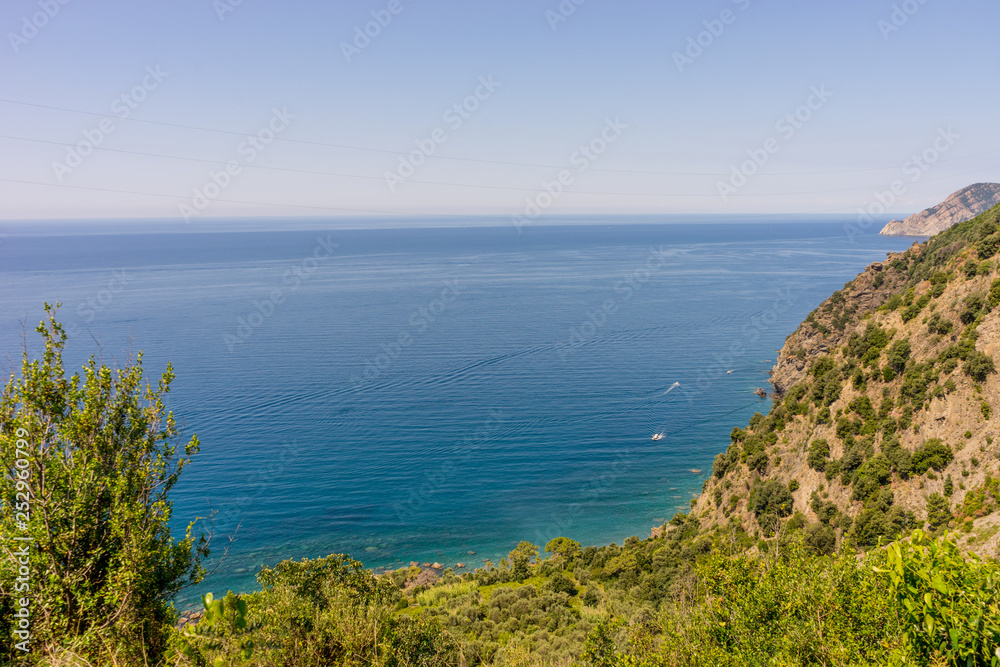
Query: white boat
point(658, 436)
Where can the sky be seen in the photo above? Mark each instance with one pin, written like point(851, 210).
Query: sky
point(197, 109)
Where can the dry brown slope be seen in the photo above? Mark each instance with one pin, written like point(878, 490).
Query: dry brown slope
point(942, 298)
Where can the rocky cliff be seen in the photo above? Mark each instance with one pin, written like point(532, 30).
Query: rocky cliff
point(959, 207)
point(886, 413)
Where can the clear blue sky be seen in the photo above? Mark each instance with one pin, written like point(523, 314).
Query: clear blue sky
point(893, 93)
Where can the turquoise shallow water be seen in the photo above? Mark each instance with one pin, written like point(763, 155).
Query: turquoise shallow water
point(422, 394)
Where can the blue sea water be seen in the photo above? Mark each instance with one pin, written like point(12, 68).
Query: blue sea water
point(424, 394)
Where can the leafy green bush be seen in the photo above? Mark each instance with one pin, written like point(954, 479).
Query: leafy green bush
point(869, 345)
point(759, 612)
point(758, 462)
point(880, 521)
point(993, 297)
point(936, 324)
point(871, 476)
point(771, 497)
point(978, 365)
point(819, 454)
point(988, 246)
point(725, 462)
point(973, 306)
point(982, 500)
point(331, 611)
point(820, 537)
point(938, 512)
point(949, 603)
point(932, 454)
point(98, 453)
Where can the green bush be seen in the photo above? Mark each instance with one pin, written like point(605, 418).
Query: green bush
point(820, 537)
point(819, 454)
point(988, 246)
point(898, 355)
point(932, 454)
point(869, 345)
point(978, 365)
point(938, 512)
point(973, 306)
point(771, 497)
point(993, 297)
point(99, 454)
point(949, 603)
point(936, 324)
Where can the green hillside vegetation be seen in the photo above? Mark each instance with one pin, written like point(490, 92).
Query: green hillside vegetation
point(854, 524)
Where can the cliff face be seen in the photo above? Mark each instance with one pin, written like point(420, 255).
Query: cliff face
point(887, 408)
point(959, 207)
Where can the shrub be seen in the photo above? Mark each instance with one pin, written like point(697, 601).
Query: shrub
point(869, 345)
point(974, 305)
point(758, 462)
point(876, 472)
point(943, 598)
point(898, 355)
point(819, 454)
point(988, 247)
point(878, 524)
point(993, 297)
point(560, 583)
point(939, 325)
point(100, 455)
point(771, 497)
point(862, 406)
point(820, 537)
point(899, 457)
point(978, 365)
point(724, 462)
point(938, 511)
point(932, 454)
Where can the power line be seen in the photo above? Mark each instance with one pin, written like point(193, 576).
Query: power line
point(436, 183)
point(229, 201)
point(402, 213)
point(442, 157)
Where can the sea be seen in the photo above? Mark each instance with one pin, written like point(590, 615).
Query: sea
point(435, 394)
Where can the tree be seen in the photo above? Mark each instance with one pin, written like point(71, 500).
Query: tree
point(521, 558)
point(819, 453)
point(88, 464)
point(898, 355)
point(932, 454)
point(771, 497)
point(820, 538)
point(978, 365)
point(938, 511)
point(564, 547)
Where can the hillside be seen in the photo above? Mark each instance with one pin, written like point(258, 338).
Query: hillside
point(958, 207)
point(885, 416)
